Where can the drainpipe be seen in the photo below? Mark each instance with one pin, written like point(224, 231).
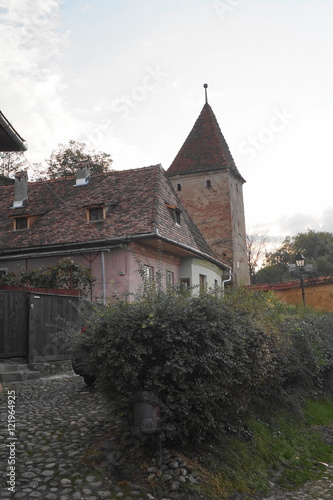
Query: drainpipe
point(103, 278)
point(227, 280)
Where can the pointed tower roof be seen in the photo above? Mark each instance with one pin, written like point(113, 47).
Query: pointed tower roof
point(205, 148)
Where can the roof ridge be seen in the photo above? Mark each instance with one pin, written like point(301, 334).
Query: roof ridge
point(157, 169)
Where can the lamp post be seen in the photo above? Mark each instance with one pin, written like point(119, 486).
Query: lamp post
point(300, 260)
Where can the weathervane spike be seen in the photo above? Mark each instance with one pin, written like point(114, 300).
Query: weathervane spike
point(205, 87)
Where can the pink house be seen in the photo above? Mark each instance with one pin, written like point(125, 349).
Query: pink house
point(113, 223)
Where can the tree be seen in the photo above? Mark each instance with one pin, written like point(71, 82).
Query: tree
point(256, 244)
point(317, 248)
point(63, 162)
point(10, 163)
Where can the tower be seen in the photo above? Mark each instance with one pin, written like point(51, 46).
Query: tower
point(210, 187)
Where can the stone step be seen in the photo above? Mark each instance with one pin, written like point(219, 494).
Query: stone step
point(15, 370)
point(18, 376)
point(9, 367)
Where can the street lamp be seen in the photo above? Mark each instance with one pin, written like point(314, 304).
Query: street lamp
point(300, 261)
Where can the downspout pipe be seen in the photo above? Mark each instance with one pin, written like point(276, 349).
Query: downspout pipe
point(227, 280)
point(103, 278)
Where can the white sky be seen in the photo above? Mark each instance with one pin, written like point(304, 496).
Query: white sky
point(126, 77)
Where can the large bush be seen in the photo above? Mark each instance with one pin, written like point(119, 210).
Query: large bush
point(209, 358)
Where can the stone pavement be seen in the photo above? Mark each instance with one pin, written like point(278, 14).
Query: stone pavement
point(48, 434)
point(51, 435)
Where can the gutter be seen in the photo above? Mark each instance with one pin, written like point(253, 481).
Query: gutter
point(194, 250)
point(9, 129)
point(77, 248)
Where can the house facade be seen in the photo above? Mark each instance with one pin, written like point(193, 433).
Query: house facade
point(126, 226)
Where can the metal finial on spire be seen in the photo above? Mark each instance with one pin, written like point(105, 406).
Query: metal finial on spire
point(205, 87)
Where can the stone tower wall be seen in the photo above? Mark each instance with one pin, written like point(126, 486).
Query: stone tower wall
point(214, 201)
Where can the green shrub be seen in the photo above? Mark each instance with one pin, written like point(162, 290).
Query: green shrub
point(65, 274)
point(209, 358)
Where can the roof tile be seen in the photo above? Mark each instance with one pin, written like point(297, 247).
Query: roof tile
point(135, 202)
point(205, 148)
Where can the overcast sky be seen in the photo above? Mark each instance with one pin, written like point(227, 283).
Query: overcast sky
point(126, 77)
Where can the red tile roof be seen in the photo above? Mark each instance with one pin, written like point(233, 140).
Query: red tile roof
point(205, 148)
point(313, 281)
point(135, 204)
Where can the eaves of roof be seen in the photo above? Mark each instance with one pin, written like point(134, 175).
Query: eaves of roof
point(100, 246)
point(10, 140)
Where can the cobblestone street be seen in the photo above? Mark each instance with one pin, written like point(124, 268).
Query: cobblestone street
point(59, 424)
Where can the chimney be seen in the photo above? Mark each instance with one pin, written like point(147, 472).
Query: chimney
point(82, 173)
point(20, 188)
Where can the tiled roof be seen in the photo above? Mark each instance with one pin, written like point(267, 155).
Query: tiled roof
point(135, 202)
point(10, 140)
point(313, 281)
point(205, 148)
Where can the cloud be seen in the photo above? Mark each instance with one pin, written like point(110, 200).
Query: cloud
point(292, 224)
point(32, 83)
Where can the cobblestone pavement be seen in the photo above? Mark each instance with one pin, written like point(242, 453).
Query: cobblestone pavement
point(59, 423)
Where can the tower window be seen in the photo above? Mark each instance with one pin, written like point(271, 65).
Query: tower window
point(179, 187)
point(208, 184)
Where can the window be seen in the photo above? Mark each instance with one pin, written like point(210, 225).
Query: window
point(96, 213)
point(175, 213)
point(169, 278)
point(20, 223)
point(177, 216)
point(179, 187)
point(148, 273)
point(185, 286)
point(208, 184)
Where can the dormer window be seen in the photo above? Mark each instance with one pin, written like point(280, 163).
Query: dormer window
point(96, 213)
point(175, 213)
point(20, 223)
point(177, 216)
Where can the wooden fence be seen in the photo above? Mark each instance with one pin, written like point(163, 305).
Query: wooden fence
point(37, 325)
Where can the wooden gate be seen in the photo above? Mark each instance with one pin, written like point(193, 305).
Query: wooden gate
point(37, 325)
point(14, 324)
point(53, 319)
